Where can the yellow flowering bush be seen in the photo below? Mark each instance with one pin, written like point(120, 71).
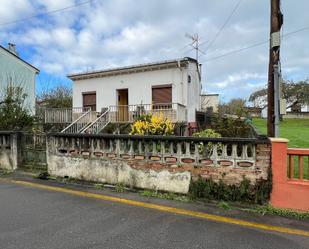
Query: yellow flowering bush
point(152, 125)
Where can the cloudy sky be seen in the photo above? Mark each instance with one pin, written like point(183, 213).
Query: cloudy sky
point(108, 33)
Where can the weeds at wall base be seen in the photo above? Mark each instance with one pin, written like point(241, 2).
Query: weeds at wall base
point(244, 192)
point(5, 172)
point(269, 210)
point(166, 195)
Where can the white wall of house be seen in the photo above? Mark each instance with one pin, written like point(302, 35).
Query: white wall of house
point(210, 100)
point(193, 92)
point(16, 73)
point(304, 108)
point(139, 87)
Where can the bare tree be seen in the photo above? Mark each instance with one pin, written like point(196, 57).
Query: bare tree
point(59, 96)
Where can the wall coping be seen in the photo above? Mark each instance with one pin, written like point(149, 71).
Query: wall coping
point(278, 140)
point(7, 132)
point(163, 138)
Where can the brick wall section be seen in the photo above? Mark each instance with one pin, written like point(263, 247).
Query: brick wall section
point(228, 174)
point(228, 159)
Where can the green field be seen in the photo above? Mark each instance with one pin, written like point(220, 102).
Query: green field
point(296, 130)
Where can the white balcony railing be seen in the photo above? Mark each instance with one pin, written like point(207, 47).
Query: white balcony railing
point(116, 114)
point(63, 115)
point(129, 113)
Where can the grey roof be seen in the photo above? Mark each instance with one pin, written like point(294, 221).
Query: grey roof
point(118, 69)
point(37, 70)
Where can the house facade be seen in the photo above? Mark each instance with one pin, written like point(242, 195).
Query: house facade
point(210, 101)
point(15, 72)
point(170, 87)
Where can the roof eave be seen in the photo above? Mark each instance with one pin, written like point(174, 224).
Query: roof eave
point(127, 70)
point(37, 71)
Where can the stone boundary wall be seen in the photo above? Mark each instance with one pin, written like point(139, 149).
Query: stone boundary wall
point(157, 162)
point(296, 115)
point(10, 153)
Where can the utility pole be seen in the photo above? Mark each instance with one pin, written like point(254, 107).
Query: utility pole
point(276, 21)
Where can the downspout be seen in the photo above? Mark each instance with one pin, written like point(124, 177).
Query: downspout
point(182, 94)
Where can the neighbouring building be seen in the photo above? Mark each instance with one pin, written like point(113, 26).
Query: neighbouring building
point(170, 87)
point(16, 72)
point(254, 111)
point(210, 101)
point(299, 108)
point(297, 111)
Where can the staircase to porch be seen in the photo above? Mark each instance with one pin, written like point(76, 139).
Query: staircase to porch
point(89, 122)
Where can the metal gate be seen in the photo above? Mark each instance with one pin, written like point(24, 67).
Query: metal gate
point(34, 151)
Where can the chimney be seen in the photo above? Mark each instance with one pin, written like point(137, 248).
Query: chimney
point(12, 48)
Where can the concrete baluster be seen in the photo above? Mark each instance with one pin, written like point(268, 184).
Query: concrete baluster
point(214, 156)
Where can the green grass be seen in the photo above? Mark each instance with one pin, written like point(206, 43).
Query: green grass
point(167, 195)
point(278, 211)
point(296, 131)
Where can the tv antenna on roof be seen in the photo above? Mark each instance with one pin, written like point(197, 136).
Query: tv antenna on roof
point(195, 44)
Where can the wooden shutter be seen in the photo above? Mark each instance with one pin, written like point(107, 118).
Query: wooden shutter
point(89, 100)
point(162, 95)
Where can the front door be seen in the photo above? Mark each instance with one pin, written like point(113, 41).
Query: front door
point(123, 102)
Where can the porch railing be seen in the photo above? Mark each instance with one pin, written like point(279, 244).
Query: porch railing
point(81, 123)
point(63, 115)
point(97, 125)
point(128, 113)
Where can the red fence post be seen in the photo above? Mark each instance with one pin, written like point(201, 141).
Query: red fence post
point(279, 147)
point(286, 192)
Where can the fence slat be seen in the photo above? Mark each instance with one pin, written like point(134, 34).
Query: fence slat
point(300, 167)
point(291, 166)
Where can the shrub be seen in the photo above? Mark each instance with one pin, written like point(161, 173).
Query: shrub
point(230, 127)
point(152, 125)
point(207, 133)
point(14, 114)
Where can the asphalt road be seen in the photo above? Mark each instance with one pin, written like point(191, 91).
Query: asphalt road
point(33, 218)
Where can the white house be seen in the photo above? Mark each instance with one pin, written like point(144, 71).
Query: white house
point(170, 87)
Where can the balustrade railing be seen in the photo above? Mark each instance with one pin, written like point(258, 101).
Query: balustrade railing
point(227, 152)
point(5, 140)
point(97, 125)
point(63, 115)
point(79, 124)
point(129, 113)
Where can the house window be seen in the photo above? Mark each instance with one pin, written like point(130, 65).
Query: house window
point(90, 100)
point(189, 78)
point(161, 96)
